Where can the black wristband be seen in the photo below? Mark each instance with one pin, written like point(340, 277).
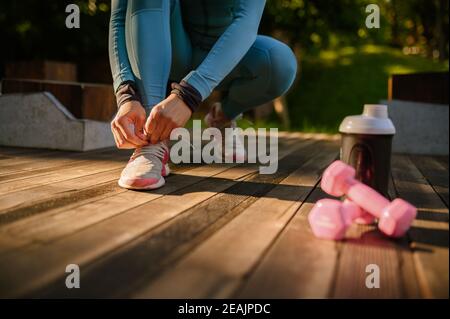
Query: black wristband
point(127, 92)
point(188, 94)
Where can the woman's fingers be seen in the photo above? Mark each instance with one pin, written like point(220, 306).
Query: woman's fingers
point(127, 131)
point(152, 121)
point(168, 129)
point(155, 125)
point(120, 140)
point(164, 117)
point(139, 129)
point(157, 132)
point(115, 138)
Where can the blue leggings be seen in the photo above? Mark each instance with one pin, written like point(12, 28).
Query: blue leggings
point(161, 49)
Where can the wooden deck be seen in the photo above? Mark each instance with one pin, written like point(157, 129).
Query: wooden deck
point(212, 231)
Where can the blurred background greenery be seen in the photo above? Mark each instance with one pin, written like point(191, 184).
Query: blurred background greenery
point(342, 63)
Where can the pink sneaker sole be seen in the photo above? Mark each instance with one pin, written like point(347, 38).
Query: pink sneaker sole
point(142, 184)
point(145, 183)
point(166, 170)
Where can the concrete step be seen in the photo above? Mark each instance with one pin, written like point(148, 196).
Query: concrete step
point(39, 120)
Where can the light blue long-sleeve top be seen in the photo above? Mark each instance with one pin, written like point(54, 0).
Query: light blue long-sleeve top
point(242, 21)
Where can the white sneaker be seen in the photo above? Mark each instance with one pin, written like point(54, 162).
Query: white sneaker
point(146, 168)
point(234, 152)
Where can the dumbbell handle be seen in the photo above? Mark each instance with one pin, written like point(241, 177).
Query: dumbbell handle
point(366, 197)
point(351, 211)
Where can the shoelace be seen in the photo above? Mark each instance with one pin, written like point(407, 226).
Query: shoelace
point(158, 150)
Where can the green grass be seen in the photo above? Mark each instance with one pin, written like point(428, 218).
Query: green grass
point(334, 84)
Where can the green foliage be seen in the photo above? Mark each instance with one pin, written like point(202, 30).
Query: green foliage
point(339, 70)
point(36, 30)
point(337, 83)
point(317, 24)
point(312, 23)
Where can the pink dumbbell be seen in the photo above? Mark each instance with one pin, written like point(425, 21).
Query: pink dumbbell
point(365, 219)
point(395, 217)
point(330, 218)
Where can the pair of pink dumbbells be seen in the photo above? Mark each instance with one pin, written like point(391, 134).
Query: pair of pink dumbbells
point(330, 218)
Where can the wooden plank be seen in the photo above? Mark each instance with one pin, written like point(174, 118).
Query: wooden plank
point(42, 69)
point(48, 261)
point(40, 264)
point(39, 199)
point(21, 196)
point(83, 100)
point(298, 265)
point(15, 163)
point(299, 257)
point(65, 221)
point(54, 161)
point(98, 103)
point(429, 234)
point(60, 215)
point(64, 174)
point(148, 255)
point(42, 198)
point(41, 154)
point(14, 154)
point(26, 161)
point(435, 173)
point(217, 266)
point(17, 152)
point(368, 246)
point(421, 87)
point(409, 280)
point(18, 166)
point(443, 160)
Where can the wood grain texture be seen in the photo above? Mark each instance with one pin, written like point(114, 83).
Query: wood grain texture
point(216, 268)
point(48, 261)
point(84, 100)
point(436, 173)
point(212, 231)
point(43, 69)
point(420, 87)
point(408, 276)
point(364, 246)
point(150, 252)
point(298, 265)
point(429, 234)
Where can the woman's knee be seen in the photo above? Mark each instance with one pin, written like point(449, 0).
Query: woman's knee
point(283, 68)
point(281, 65)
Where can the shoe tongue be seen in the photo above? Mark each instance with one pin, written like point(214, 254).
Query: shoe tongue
point(153, 149)
point(154, 146)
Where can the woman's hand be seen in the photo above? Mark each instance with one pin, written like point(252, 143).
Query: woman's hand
point(166, 116)
point(128, 126)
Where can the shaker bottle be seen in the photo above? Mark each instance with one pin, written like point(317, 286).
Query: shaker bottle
point(367, 145)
